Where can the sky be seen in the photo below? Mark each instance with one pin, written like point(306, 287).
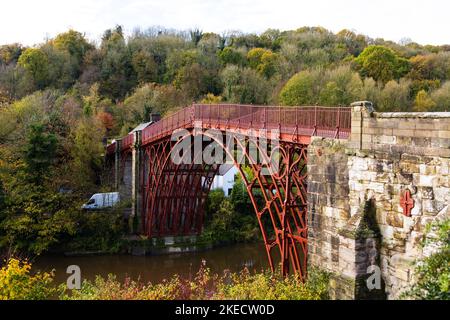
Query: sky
point(32, 21)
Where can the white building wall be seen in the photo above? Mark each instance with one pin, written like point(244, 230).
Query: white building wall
point(225, 182)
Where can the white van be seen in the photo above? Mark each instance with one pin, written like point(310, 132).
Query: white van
point(101, 201)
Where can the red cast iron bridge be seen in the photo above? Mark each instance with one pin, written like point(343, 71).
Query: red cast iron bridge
point(172, 196)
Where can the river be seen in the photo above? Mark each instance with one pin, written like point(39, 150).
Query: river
point(158, 267)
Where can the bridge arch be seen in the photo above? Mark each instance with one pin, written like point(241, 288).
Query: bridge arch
point(174, 195)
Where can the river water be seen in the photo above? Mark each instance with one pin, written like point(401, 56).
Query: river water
point(158, 267)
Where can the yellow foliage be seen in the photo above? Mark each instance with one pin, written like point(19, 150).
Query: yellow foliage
point(16, 282)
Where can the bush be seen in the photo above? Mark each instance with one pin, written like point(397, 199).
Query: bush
point(16, 282)
point(433, 272)
point(205, 286)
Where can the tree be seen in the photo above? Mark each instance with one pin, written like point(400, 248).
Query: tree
point(10, 53)
point(87, 153)
point(441, 97)
point(36, 63)
point(244, 85)
point(301, 89)
point(230, 55)
point(395, 96)
point(40, 152)
point(381, 63)
point(117, 75)
point(355, 43)
point(343, 86)
point(435, 66)
point(211, 99)
point(264, 61)
point(145, 67)
point(196, 36)
point(423, 102)
point(14, 82)
point(74, 43)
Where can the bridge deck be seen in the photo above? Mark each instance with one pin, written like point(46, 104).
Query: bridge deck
point(297, 124)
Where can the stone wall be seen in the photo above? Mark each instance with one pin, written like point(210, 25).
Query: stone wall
point(386, 155)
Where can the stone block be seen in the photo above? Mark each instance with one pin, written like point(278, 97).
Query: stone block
point(407, 124)
point(426, 180)
point(427, 169)
point(409, 167)
point(403, 132)
point(425, 192)
point(444, 134)
point(394, 219)
point(417, 210)
point(376, 186)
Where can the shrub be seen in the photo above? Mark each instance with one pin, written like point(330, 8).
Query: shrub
point(205, 286)
point(16, 282)
point(433, 272)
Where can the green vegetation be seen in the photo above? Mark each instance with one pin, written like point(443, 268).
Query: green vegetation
point(433, 272)
point(230, 220)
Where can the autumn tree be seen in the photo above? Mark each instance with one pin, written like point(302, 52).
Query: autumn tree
point(423, 102)
point(74, 43)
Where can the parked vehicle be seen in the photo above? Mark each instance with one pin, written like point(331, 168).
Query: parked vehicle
point(101, 201)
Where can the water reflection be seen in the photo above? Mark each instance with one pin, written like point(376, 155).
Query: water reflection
point(157, 268)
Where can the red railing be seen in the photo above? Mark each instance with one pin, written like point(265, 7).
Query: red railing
point(127, 141)
point(332, 122)
point(180, 119)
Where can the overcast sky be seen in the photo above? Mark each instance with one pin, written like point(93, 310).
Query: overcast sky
point(31, 21)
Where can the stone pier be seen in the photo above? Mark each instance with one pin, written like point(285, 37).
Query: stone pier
point(355, 189)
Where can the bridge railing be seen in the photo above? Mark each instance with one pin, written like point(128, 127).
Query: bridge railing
point(332, 122)
point(180, 119)
point(127, 141)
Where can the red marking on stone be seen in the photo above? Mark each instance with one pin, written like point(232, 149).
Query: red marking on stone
point(407, 203)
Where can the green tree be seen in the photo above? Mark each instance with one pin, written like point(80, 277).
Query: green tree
point(244, 85)
point(87, 153)
point(40, 152)
point(230, 55)
point(301, 89)
point(36, 63)
point(381, 63)
point(343, 86)
point(145, 67)
point(117, 76)
point(263, 60)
